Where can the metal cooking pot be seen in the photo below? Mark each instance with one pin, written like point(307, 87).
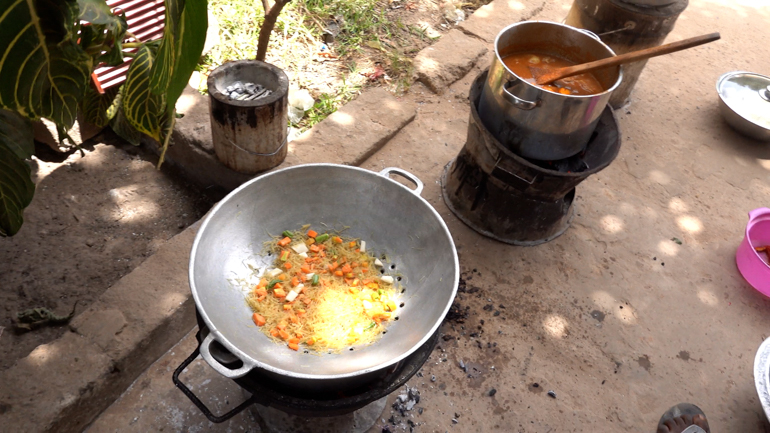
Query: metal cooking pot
point(744, 100)
point(534, 122)
point(392, 218)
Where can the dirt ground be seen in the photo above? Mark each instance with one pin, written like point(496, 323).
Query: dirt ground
point(614, 317)
point(93, 220)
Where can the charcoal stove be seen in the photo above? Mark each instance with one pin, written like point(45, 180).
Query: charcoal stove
point(517, 200)
point(287, 408)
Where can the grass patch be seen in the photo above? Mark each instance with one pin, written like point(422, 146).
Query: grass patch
point(375, 45)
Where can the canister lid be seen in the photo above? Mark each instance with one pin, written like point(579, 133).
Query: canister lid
point(748, 94)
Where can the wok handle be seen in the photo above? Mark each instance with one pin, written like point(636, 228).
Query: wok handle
point(216, 365)
point(211, 417)
point(412, 178)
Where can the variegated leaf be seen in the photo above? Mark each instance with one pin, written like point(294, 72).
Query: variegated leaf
point(142, 108)
point(120, 126)
point(43, 73)
point(166, 58)
point(16, 190)
point(97, 12)
point(16, 134)
point(96, 106)
point(190, 40)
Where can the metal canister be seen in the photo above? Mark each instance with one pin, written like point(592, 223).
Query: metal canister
point(534, 122)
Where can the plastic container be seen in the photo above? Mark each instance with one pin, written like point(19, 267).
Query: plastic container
point(752, 264)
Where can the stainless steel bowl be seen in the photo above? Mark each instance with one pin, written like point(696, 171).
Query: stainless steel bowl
point(393, 219)
point(744, 100)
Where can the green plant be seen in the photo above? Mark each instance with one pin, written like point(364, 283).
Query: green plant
point(48, 50)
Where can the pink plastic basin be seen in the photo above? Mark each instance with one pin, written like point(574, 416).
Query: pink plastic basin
point(752, 264)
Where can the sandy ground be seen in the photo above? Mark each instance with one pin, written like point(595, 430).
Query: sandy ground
point(92, 221)
point(614, 317)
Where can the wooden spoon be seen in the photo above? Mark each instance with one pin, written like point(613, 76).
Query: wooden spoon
point(544, 76)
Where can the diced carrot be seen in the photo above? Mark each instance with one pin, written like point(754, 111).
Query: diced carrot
point(365, 282)
point(287, 265)
point(334, 266)
point(274, 332)
point(295, 282)
point(285, 241)
point(310, 341)
point(307, 301)
point(338, 273)
point(299, 335)
point(337, 240)
point(294, 319)
point(301, 312)
point(283, 277)
point(373, 285)
point(293, 346)
point(287, 307)
point(314, 248)
point(261, 298)
point(358, 250)
point(261, 292)
point(348, 281)
point(322, 254)
point(294, 340)
point(278, 286)
point(305, 269)
point(283, 334)
point(302, 278)
point(354, 265)
point(347, 269)
point(564, 91)
point(352, 244)
point(302, 290)
point(258, 320)
point(262, 283)
point(322, 247)
point(279, 293)
point(364, 270)
point(312, 233)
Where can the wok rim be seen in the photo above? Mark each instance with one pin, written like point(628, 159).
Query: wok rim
point(255, 363)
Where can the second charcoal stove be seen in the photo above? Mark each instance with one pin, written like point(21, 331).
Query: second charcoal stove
point(517, 200)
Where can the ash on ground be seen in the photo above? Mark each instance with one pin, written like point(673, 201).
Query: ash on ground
point(239, 91)
point(402, 413)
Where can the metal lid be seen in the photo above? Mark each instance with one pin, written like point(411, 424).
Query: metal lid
point(748, 94)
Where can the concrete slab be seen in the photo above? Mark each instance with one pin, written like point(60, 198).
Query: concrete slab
point(617, 319)
point(366, 123)
point(448, 60)
point(356, 131)
point(487, 21)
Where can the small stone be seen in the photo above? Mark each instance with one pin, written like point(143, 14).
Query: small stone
point(432, 378)
point(551, 394)
point(454, 421)
point(229, 89)
point(250, 87)
point(493, 391)
point(238, 86)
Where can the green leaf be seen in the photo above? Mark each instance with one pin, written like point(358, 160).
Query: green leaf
point(166, 59)
point(96, 106)
point(191, 38)
point(16, 134)
point(97, 12)
point(142, 108)
point(119, 124)
point(43, 73)
point(16, 190)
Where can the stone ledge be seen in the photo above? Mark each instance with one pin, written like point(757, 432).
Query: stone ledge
point(448, 60)
point(487, 21)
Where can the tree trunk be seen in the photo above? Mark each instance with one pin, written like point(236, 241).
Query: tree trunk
point(267, 28)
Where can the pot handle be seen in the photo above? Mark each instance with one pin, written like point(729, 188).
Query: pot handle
point(517, 102)
point(409, 176)
point(196, 401)
point(594, 35)
point(216, 365)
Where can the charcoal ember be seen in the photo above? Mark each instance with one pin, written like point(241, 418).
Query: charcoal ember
point(457, 313)
point(406, 401)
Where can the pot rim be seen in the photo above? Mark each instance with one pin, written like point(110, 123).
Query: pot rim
point(246, 359)
point(748, 121)
point(283, 81)
point(584, 33)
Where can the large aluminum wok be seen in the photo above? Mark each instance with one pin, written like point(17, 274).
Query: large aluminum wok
point(393, 220)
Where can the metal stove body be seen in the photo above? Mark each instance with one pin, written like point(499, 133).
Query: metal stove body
point(517, 200)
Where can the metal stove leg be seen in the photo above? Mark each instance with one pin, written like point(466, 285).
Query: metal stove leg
point(213, 418)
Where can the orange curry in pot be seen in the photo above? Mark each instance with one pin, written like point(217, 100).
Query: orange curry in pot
point(582, 84)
